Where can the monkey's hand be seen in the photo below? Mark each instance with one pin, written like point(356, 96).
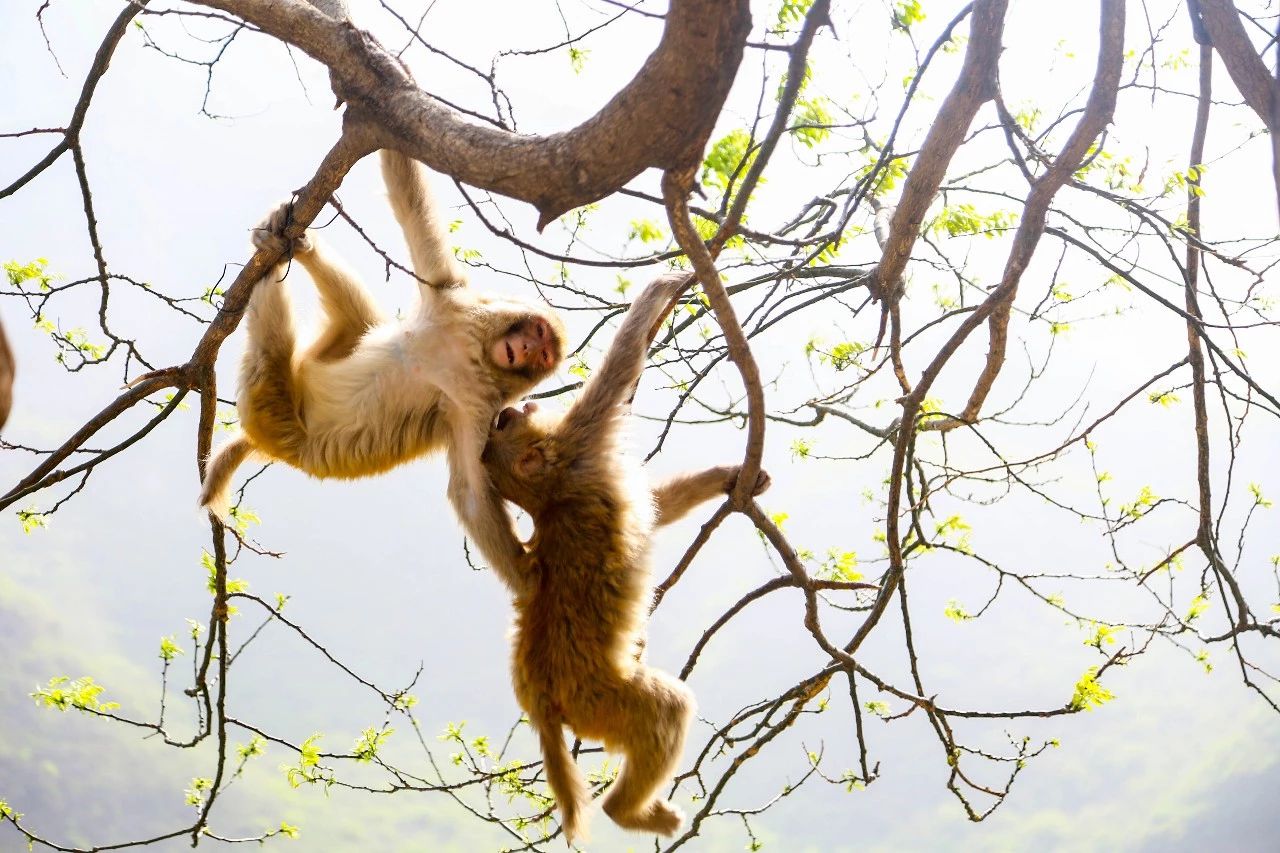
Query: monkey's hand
point(763, 480)
point(269, 233)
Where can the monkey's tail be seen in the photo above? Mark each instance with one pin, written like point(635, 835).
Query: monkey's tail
point(215, 492)
point(566, 783)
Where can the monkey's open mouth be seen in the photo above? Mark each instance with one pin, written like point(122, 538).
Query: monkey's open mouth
point(511, 354)
point(504, 418)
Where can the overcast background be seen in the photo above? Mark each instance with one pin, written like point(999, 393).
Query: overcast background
point(1181, 759)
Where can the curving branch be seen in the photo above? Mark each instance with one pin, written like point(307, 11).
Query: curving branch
point(71, 133)
point(1260, 90)
point(974, 87)
point(781, 274)
point(1097, 115)
point(661, 119)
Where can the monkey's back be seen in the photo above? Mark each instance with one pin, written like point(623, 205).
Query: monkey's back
point(576, 632)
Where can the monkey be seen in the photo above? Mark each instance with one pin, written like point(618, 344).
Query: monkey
point(6, 378)
point(371, 393)
point(582, 585)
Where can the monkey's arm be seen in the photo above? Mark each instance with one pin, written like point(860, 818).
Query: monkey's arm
point(678, 495)
point(614, 382)
point(482, 511)
point(419, 218)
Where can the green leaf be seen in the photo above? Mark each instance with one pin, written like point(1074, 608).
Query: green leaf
point(907, 13)
point(727, 154)
point(308, 768)
point(19, 275)
point(309, 752)
point(369, 742)
point(198, 790)
point(1197, 608)
point(1089, 694)
point(812, 123)
point(1103, 634)
point(964, 219)
point(7, 812)
point(646, 231)
point(63, 694)
point(840, 566)
point(255, 747)
point(791, 12)
point(243, 517)
point(891, 171)
point(169, 649)
point(234, 585)
point(32, 520)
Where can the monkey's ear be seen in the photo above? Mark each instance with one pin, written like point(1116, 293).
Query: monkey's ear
point(529, 463)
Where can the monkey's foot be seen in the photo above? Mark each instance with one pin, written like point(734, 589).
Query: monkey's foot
point(660, 817)
point(269, 233)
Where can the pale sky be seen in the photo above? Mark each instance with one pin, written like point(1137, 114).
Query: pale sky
point(1180, 760)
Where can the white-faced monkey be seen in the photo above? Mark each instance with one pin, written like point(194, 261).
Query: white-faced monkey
point(371, 393)
point(582, 587)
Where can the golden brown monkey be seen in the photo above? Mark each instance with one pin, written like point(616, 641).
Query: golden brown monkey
point(371, 393)
point(582, 589)
point(6, 377)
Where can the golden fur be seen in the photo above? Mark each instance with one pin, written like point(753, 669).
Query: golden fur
point(582, 588)
point(368, 393)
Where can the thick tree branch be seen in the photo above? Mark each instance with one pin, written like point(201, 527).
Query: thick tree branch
point(1097, 115)
point(1260, 90)
point(974, 87)
point(661, 119)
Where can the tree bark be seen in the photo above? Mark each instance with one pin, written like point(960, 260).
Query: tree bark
point(1247, 70)
point(661, 119)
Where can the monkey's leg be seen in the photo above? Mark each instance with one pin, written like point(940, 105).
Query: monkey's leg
point(678, 495)
point(268, 401)
point(349, 311)
point(650, 718)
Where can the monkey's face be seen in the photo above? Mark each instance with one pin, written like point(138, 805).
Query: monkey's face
point(519, 457)
point(530, 347)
